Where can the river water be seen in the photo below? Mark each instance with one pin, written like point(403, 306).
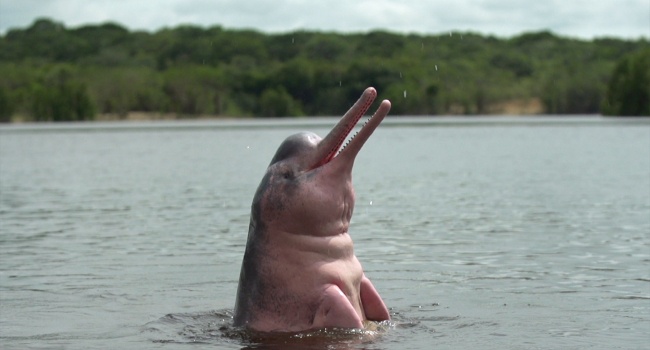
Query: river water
point(488, 233)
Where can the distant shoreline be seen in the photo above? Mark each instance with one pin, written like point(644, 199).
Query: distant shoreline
point(511, 108)
point(514, 108)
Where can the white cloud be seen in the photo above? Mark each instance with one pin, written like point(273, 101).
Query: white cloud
point(579, 18)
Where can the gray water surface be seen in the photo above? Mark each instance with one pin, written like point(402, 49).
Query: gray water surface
point(494, 233)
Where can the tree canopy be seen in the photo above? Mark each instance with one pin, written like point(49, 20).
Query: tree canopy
point(50, 72)
point(628, 92)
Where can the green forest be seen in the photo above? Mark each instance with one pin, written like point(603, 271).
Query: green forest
point(52, 73)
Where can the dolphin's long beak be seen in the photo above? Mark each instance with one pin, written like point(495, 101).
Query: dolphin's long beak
point(329, 147)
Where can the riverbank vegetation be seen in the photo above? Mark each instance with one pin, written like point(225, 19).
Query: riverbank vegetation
point(52, 73)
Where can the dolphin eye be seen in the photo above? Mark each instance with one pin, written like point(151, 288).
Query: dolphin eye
point(287, 174)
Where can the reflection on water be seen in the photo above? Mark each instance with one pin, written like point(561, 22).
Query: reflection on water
point(478, 233)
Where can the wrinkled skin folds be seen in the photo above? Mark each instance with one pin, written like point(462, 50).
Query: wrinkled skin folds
point(299, 271)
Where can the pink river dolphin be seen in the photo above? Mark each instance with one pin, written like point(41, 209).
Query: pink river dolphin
point(299, 270)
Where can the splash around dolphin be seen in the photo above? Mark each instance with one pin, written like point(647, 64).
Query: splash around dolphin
point(299, 271)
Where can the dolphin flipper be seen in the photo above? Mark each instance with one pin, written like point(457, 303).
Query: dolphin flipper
point(336, 310)
point(373, 305)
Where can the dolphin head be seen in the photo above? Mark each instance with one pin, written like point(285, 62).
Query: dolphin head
point(307, 188)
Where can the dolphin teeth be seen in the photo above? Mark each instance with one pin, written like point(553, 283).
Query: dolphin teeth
point(353, 136)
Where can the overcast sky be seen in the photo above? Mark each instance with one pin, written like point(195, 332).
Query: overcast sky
point(576, 18)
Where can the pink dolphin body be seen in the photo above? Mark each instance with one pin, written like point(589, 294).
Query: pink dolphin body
point(299, 270)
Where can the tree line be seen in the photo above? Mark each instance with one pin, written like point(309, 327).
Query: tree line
point(52, 73)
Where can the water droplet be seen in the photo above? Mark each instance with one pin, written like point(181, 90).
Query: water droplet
point(436, 67)
point(400, 74)
point(370, 202)
point(404, 93)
